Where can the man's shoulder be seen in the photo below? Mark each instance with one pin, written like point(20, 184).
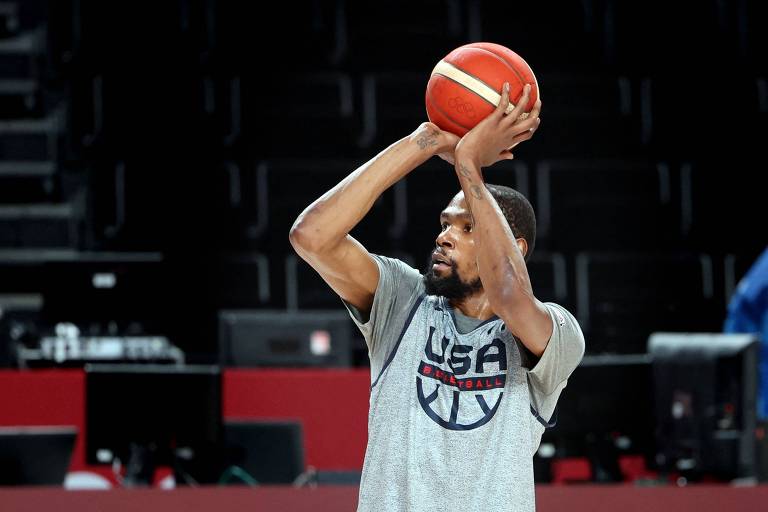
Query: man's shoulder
point(560, 314)
point(401, 272)
point(396, 262)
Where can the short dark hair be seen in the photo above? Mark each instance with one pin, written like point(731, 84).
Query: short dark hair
point(518, 212)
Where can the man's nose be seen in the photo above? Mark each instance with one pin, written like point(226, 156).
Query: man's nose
point(444, 239)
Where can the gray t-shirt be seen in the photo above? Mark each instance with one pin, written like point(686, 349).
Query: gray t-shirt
point(455, 417)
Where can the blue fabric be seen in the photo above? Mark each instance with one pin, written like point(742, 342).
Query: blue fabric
point(748, 312)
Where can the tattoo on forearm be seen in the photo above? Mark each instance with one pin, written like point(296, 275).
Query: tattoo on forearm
point(473, 187)
point(428, 139)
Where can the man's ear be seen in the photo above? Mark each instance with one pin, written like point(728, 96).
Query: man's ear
point(522, 244)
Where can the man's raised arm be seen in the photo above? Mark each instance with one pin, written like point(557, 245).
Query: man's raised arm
point(320, 235)
point(500, 257)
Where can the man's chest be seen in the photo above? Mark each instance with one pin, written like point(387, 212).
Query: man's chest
point(457, 381)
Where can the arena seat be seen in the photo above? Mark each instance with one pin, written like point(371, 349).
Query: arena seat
point(549, 278)
point(310, 115)
point(605, 204)
point(569, 40)
point(305, 289)
point(288, 182)
point(588, 114)
point(374, 31)
point(242, 280)
point(623, 297)
point(393, 106)
point(721, 199)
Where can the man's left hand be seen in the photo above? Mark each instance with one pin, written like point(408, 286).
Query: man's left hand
point(494, 137)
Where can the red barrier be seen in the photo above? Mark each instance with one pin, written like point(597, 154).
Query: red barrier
point(45, 397)
point(340, 499)
point(626, 498)
point(332, 406)
point(262, 499)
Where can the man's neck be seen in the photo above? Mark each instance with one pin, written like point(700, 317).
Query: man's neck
point(474, 306)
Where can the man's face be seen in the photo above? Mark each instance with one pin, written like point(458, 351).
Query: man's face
point(452, 268)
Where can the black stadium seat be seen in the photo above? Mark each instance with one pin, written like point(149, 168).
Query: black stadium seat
point(605, 204)
point(305, 289)
point(294, 184)
point(242, 280)
point(721, 205)
point(563, 36)
point(311, 115)
point(393, 106)
point(593, 114)
point(282, 36)
point(403, 35)
point(549, 279)
point(623, 298)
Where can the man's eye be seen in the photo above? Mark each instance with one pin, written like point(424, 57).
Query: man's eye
point(468, 228)
point(444, 226)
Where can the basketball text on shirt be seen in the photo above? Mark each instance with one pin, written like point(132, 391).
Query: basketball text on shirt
point(469, 395)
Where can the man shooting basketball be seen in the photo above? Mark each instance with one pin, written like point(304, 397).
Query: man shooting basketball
point(466, 364)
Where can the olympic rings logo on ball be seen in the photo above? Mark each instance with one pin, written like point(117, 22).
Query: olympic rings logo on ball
point(462, 107)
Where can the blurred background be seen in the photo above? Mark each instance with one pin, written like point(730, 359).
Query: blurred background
point(156, 327)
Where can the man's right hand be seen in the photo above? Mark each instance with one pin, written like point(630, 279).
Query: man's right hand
point(439, 142)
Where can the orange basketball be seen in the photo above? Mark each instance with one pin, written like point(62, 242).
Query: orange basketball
point(466, 85)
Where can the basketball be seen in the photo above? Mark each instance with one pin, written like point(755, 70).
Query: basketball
point(465, 86)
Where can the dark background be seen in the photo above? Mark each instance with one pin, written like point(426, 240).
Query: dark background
point(200, 129)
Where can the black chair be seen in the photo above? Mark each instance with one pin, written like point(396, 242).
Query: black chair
point(46, 225)
point(604, 204)
point(681, 124)
point(309, 114)
point(242, 280)
point(595, 114)
point(35, 455)
point(30, 138)
point(549, 279)
point(402, 35)
point(750, 34)
point(623, 297)
point(294, 184)
point(245, 35)
point(701, 42)
point(722, 197)
point(393, 106)
point(305, 289)
point(568, 39)
point(263, 452)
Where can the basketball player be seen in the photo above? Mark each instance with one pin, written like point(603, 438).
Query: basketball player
point(466, 364)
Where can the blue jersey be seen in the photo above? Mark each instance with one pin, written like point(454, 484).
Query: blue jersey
point(748, 312)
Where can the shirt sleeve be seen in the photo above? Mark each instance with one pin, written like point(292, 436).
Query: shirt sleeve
point(563, 354)
point(748, 308)
point(398, 289)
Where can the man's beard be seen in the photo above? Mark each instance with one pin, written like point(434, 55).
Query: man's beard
point(449, 286)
